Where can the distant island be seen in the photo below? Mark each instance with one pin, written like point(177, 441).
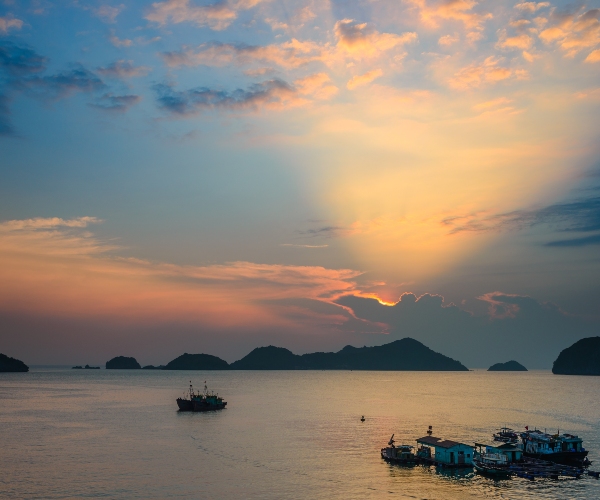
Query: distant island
point(86, 367)
point(582, 358)
point(509, 366)
point(401, 355)
point(197, 362)
point(8, 364)
point(122, 363)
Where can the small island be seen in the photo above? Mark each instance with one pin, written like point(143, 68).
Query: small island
point(8, 364)
point(197, 362)
point(509, 366)
point(86, 367)
point(582, 358)
point(152, 367)
point(123, 363)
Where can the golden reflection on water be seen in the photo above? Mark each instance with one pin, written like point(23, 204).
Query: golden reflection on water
point(283, 435)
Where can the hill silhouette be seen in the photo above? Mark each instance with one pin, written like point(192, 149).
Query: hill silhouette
point(582, 358)
point(509, 366)
point(122, 363)
point(197, 362)
point(8, 364)
point(406, 354)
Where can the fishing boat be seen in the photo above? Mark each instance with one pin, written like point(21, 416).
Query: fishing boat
point(492, 464)
point(402, 454)
point(200, 401)
point(506, 435)
point(559, 448)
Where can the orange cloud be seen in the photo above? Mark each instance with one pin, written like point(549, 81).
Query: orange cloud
point(368, 77)
point(531, 6)
point(57, 267)
point(521, 42)
point(593, 56)
point(447, 40)
point(318, 86)
point(216, 16)
point(361, 40)
point(290, 54)
point(488, 72)
point(454, 10)
point(573, 32)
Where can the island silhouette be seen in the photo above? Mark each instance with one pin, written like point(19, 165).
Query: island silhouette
point(509, 366)
point(582, 358)
point(8, 364)
point(406, 354)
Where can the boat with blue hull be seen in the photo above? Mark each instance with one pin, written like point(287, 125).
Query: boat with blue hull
point(559, 448)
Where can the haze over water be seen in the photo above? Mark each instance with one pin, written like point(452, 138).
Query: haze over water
point(292, 434)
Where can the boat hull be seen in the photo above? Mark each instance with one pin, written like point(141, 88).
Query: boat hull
point(184, 404)
point(400, 461)
point(202, 406)
point(564, 458)
point(491, 471)
point(196, 406)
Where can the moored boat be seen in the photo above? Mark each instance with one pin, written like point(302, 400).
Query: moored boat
point(506, 435)
point(402, 454)
point(559, 448)
point(492, 464)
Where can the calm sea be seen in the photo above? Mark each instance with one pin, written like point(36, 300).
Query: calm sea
point(292, 434)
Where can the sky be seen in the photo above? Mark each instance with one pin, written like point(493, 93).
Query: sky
point(189, 176)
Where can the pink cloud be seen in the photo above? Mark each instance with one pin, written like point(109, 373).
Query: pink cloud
point(7, 23)
point(57, 267)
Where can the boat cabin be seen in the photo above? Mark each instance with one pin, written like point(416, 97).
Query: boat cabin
point(445, 451)
point(538, 442)
point(512, 452)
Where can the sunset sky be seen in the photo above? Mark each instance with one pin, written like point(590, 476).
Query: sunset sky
point(186, 176)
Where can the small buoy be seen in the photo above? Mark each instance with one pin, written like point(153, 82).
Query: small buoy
point(362, 418)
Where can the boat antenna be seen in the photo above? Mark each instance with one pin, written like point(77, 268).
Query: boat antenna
point(430, 430)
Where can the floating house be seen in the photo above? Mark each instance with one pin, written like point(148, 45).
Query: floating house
point(445, 452)
point(511, 451)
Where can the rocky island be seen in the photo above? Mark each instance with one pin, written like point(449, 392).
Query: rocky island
point(402, 355)
point(8, 364)
point(197, 362)
point(123, 363)
point(582, 358)
point(509, 366)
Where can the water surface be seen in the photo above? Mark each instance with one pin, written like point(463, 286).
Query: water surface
point(285, 434)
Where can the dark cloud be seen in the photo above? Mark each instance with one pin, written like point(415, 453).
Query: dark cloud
point(123, 69)
point(581, 215)
point(120, 103)
point(16, 61)
point(22, 70)
point(576, 242)
point(516, 327)
point(272, 92)
point(76, 79)
point(5, 125)
point(325, 231)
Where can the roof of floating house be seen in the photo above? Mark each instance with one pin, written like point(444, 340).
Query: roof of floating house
point(439, 442)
